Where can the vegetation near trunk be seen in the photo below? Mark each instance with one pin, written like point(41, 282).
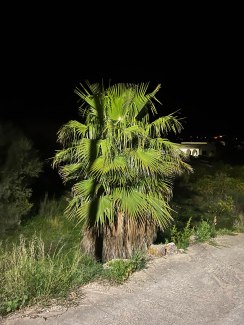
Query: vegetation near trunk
point(122, 167)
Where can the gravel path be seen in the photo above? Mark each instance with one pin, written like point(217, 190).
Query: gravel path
point(203, 286)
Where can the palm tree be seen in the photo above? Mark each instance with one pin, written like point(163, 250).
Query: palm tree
point(122, 168)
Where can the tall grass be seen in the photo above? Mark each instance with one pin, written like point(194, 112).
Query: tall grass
point(43, 260)
point(31, 272)
point(50, 224)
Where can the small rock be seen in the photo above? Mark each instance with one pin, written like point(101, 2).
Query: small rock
point(162, 249)
point(170, 248)
point(157, 250)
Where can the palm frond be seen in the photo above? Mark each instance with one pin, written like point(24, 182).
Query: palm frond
point(145, 161)
point(105, 211)
point(139, 206)
point(164, 125)
point(134, 131)
point(102, 167)
point(160, 211)
point(72, 131)
point(119, 98)
point(86, 189)
point(70, 171)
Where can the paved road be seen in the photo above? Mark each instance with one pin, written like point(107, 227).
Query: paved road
point(204, 286)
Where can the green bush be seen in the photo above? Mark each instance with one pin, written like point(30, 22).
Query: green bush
point(118, 270)
point(19, 165)
point(204, 231)
point(181, 238)
point(50, 224)
point(215, 192)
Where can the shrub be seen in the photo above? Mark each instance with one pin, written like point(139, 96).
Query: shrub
point(214, 192)
point(181, 238)
point(205, 231)
point(19, 165)
point(118, 270)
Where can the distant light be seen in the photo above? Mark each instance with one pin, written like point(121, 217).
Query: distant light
point(218, 137)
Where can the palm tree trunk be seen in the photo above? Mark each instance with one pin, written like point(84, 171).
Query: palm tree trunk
point(119, 239)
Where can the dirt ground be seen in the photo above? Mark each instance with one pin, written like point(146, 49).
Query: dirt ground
point(205, 285)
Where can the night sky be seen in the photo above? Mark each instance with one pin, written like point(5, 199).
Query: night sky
point(40, 99)
point(194, 52)
point(197, 62)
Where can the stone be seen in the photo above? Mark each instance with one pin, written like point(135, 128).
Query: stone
point(162, 249)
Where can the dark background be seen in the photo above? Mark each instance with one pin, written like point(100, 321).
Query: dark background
point(38, 95)
point(195, 53)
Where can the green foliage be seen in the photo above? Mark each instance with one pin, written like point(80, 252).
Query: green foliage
point(139, 259)
point(118, 270)
point(239, 229)
point(43, 260)
point(52, 208)
point(214, 192)
point(19, 164)
point(204, 231)
point(116, 156)
point(30, 272)
point(119, 162)
point(51, 225)
point(225, 231)
point(181, 238)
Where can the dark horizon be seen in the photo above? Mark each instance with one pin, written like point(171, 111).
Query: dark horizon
point(197, 59)
point(195, 54)
point(37, 92)
point(208, 105)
